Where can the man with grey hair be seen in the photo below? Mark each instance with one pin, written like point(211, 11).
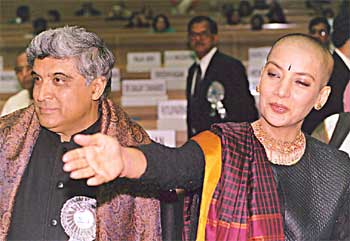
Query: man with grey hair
point(71, 70)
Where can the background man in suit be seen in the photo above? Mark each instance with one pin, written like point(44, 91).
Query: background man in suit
point(340, 76)
point(24, 97)
point(217, 85)
point(320, 29)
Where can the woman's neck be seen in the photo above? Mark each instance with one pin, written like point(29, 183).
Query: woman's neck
point(283, 146)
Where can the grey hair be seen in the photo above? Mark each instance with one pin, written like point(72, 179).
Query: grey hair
point(93, 57)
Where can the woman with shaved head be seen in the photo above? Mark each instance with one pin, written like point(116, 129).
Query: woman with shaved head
point(265, 180)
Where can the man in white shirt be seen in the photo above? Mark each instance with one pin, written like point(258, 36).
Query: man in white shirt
point(217, 84)
point(23, 98)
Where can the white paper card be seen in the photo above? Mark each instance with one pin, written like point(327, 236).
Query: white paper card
point(8, 82)
point(142, 100)
point(164, 137)
point(175, 77)
point(115, 79)
point(143, 87)
point(1, 63)
point(256, 61)
point(178, 58)
point(143, 61)
point(172, 109)
point(174, 124)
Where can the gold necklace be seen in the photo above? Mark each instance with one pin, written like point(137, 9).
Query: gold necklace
point(279, 152)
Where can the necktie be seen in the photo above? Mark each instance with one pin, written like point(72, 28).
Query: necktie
point(347, 98)
point(198, 80)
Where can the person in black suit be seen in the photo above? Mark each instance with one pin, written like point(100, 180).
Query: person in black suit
point(220, 92)
point(340, 76)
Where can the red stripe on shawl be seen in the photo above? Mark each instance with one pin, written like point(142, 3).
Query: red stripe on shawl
point(245, 203)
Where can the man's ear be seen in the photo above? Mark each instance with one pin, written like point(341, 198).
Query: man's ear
point(323, 97)
point(98, 86)
point(216, 38)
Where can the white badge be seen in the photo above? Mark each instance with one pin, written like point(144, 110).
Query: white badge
point(215, 95)
point(78, 218)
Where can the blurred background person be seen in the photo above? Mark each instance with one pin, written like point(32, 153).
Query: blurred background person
point(22, 15)
point(340, 76)
point(24, 97)
point(138, 20)
point(257, 22)
point(161, 24)
point(87, 9)
point(319, 28)
point(275, 13)
point(233, 17)
point(217, 84)
point(119, 12)
point(54, 16)
point(39, 25)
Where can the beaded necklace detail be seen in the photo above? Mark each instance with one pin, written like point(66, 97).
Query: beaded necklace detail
point(279, 152)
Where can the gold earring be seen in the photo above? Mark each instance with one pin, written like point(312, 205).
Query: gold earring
point(318, 106)
point(257, 88)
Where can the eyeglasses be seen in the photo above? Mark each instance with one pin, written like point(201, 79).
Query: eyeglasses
point(203, 34)
point(320, 32)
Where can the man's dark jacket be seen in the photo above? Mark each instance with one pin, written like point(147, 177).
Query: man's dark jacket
point(238, 101)
point(339, 79)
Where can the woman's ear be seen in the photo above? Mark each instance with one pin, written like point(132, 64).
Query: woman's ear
point(322, 97)
point(98, 86)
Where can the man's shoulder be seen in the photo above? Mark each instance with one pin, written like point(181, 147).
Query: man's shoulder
point(338, 61)
point(16, 117)
point(226, 59)
point(17, 101)
point(18, 96)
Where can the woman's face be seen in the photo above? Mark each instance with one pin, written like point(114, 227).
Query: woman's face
point(160, 24)
point(291, 84)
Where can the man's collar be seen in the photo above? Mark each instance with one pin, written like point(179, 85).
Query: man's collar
point(345, 59)
point(204, 62)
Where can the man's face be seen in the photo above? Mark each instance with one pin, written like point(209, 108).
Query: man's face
point(291, 84)
point(319, 31)
point(23, 72)
point(201, 39)
point(63, 102)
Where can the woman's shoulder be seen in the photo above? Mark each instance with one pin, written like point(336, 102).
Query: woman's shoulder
point(241, 132)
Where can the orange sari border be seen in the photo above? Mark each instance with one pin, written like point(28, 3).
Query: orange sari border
point(211, 147)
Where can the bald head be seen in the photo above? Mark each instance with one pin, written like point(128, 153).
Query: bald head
point(308, 46)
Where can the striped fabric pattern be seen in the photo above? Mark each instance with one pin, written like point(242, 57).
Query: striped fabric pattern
point(245, 203)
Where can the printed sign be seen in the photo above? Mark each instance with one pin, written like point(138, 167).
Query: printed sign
point(115, 79)
point(8, 82)
point(164, 137)
point(143, 87)
point(172, 109)
point(178, 58)
point(143, 61)
point(175, 77)
point(256, 61)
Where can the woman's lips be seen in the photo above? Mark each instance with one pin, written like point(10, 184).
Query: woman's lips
point(279, 108)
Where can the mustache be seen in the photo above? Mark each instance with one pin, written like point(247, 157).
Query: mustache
point(199, 43)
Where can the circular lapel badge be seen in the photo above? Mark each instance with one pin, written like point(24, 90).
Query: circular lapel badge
point(78, 218)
